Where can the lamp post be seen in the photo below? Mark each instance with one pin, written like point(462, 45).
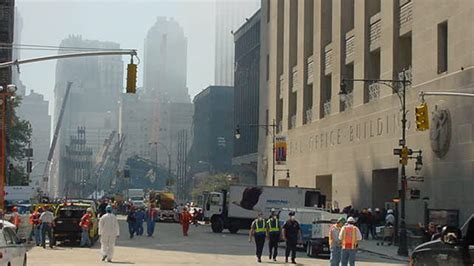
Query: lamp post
point(401, 93)
point(272, 132)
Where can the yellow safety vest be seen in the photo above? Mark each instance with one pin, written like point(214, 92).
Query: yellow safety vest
point(259, 229)
point(273, 227)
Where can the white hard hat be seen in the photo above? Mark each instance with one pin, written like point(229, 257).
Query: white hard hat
point(351, 220)
point(390, 211)
point(377, 209)
point(370, 210)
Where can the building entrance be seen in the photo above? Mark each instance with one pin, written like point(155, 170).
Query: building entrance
point(384, 186)
point(324, 183)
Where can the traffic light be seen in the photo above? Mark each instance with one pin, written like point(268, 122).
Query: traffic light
point(131, 78)
point(422, 119)
point(404, 155)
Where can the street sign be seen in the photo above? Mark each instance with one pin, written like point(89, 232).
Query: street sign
point(416, 178)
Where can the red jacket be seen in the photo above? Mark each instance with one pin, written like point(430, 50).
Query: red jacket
point(85, 221)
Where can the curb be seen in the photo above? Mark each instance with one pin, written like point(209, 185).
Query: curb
point(401, 259)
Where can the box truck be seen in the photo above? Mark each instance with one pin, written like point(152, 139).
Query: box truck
point(237, 208)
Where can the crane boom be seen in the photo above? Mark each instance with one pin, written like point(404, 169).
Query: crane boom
point(47, 167)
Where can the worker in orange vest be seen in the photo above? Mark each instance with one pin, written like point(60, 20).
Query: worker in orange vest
point(185, 219)
point(35, 223)
point(350, 236)
point(15, 218)
point(335, 243)
point(85, 224)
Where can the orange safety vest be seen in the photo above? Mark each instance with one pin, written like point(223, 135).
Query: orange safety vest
point(85, 221)
point(349, 237)
point(16, 219)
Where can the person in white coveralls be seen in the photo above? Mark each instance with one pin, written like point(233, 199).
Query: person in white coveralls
point(109, 231)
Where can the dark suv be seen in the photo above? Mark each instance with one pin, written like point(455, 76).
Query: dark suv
point(67, 220)
point(456, 247)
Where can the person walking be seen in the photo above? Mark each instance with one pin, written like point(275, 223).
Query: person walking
point(151, 216)
point(46, 220)
point(291, 234)
point(109, 231)
point(258, 232)
point(335, 243)
point(185, 219)
point(131, 220)
point(140, 219)
point(85, 224)
point(349, 236)
point(273, 232)
point(35, 226)
point(15, 218)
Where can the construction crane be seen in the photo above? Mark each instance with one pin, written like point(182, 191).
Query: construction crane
point(47, 166)
point(101, 159)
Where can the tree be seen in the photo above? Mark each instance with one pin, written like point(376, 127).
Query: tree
point(18, 138)
point(211, 183)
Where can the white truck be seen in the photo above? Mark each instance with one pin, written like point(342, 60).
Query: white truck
point(237, 208)
point(137, 196)
point(315, 224)
point(20, 193)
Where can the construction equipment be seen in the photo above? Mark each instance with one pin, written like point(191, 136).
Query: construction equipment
point(47, 166)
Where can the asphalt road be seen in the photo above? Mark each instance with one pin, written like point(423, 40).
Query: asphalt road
point(169, 247)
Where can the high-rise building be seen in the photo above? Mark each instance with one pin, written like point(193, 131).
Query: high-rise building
point(345, 145)
point(230, 15)
point(7, 20)
point(16, 53)
point(166, 61)
point(246, 95)
point(97, 83)
point(164, 78)
point(34, 108)
point(213, 129)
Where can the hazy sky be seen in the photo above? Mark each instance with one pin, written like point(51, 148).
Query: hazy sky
point(124, 22)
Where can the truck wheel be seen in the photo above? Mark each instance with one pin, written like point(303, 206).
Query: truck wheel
point(309, 250)
point(233, 228)
point(217, 225)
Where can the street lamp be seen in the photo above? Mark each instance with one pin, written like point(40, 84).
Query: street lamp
point(401, 93)
point(273, 126)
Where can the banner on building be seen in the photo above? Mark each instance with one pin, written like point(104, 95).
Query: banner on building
point(280, 149)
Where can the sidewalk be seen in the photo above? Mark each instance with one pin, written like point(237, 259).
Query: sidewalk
point(371, 246)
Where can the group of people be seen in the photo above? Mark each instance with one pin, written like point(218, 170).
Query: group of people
point(136, 217)
point(42, 222)
point(343, 242)
point(269, 229)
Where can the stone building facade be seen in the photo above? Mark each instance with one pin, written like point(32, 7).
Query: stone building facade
point(345, 148)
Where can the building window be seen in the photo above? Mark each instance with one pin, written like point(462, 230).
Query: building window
point(442, 47)
point(268, 11)
point(267, 73)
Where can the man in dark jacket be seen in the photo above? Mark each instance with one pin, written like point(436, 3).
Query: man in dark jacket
point(131, 220)
point(291, 234)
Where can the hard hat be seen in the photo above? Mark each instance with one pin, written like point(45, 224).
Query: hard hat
point(390, 211)
point(351, 220)
point(377, 209)
point(89, 210)
point(108, 208)
point(341, 220)
point(370, 210)
point(14, 209)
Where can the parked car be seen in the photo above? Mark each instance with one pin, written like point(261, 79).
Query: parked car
point(456, 247)
point(12, 249)
point(67, 218)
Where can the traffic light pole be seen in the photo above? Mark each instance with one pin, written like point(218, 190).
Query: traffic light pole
point(401, 93)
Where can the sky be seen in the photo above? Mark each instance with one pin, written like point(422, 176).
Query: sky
point(125, 22)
